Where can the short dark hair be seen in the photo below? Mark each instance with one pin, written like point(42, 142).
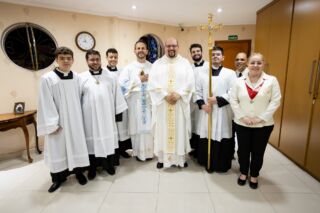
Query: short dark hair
point(218, 48)
point(111, 50)
point(92, 52)
point(195, 45)
point(63, 51)
point(141, 41)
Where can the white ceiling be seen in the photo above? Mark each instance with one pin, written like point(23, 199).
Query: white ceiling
point(171, 12)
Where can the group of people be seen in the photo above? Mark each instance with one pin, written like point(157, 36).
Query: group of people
point(91, 119)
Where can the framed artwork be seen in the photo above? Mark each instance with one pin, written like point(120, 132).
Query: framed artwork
point(18, 108)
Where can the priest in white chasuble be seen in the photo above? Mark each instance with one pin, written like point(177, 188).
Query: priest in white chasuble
point(123, 125)
point(222, 143)
point(171, 85)
point(59, 119)
point(134, 84)
point(102, 104)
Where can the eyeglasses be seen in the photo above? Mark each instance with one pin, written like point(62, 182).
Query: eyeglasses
point(171, 46)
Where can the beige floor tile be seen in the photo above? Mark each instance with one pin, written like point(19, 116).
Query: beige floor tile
point(83, 202)
point(294, 202)
point(224, 182)
point(247, 202)
point(136, 181)
point(282, 181)
point(25, 201)
point(129, 202)
point(182, 180)
point(184, 203)
point(307, 179)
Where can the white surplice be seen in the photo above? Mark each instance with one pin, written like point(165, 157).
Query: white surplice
point(221, 116)
point(139, 108)
point(195, 111)
point(101, 101)
point(59, 107)
point(123, 126)
point(171, 123)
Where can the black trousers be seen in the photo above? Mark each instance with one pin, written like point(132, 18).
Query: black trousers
point(105, 163)
point(252, 143)
point(62, 176)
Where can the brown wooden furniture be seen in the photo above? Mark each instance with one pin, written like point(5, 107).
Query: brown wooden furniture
point(288, 33)
point(11, 121)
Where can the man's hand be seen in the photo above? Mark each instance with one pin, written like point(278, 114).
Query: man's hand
point(57, 130)
point(144, 78)
point(172, 98)
point(246, 120)
point(212, 100)
point(256, 120)
point(207, 108)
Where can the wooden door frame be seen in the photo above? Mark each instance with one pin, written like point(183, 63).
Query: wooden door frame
point(249, 41)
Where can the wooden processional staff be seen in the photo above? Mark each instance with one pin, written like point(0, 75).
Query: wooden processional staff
point(211, 27)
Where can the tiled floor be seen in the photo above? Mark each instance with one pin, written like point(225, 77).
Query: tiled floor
point(139, 187)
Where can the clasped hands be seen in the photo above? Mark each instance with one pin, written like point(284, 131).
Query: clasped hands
point(172, 98)
point(208, 107)
point(251, 121)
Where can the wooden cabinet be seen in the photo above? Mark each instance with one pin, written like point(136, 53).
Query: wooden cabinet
point(272, 40)
point(302, 71)
point(291, 30)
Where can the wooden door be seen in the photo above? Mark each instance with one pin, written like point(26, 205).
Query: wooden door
point(262, 33)
point(313, 157)
point(231, 49)
point(279, 39)
point(304, 49)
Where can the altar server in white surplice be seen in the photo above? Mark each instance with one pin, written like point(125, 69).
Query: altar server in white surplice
point(59, 119)
point(171, 86)
point(102, 105)
point(134, 84)
point(123, 125)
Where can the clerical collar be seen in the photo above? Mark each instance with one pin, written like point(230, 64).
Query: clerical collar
point(63, 75)
point(93, 72)
point(199, 64)
point(216, 72)
point(112, 69)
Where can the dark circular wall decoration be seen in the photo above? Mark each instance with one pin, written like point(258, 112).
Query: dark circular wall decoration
point(155, 46)
point(29, 46)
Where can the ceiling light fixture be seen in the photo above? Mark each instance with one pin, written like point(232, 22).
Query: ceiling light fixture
point(134, 7)
point(219, 10)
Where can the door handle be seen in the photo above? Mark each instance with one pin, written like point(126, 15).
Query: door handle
point(311, 76)
point(316, 86)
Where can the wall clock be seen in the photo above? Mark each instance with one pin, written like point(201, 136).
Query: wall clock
point(85, 41)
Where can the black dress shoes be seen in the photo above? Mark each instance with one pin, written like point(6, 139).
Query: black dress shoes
point(253, 185)
point(54, 187)
point(125, 154)
point(185, 165)
point(159, 165)
point(111, 170)
point(81, 179)
point(241, 182)
point(92, 174)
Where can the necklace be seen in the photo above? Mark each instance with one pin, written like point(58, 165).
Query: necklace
point(97, 79)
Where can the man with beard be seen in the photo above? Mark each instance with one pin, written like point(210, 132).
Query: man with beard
point(171, 86)
point(218, 105)
point(134, 84)
point(199, 65)
point(240, 64)
point(101, 101)
point(124, 138)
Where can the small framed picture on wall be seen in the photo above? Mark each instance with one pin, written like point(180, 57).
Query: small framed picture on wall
point(18, 108)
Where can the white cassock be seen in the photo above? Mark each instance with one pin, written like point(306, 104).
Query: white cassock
point(171, 123)
point(195, 111)
point(59, 106)
point(139, 108)
point(101, 101)
point(123, 126)
point(221, 116)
